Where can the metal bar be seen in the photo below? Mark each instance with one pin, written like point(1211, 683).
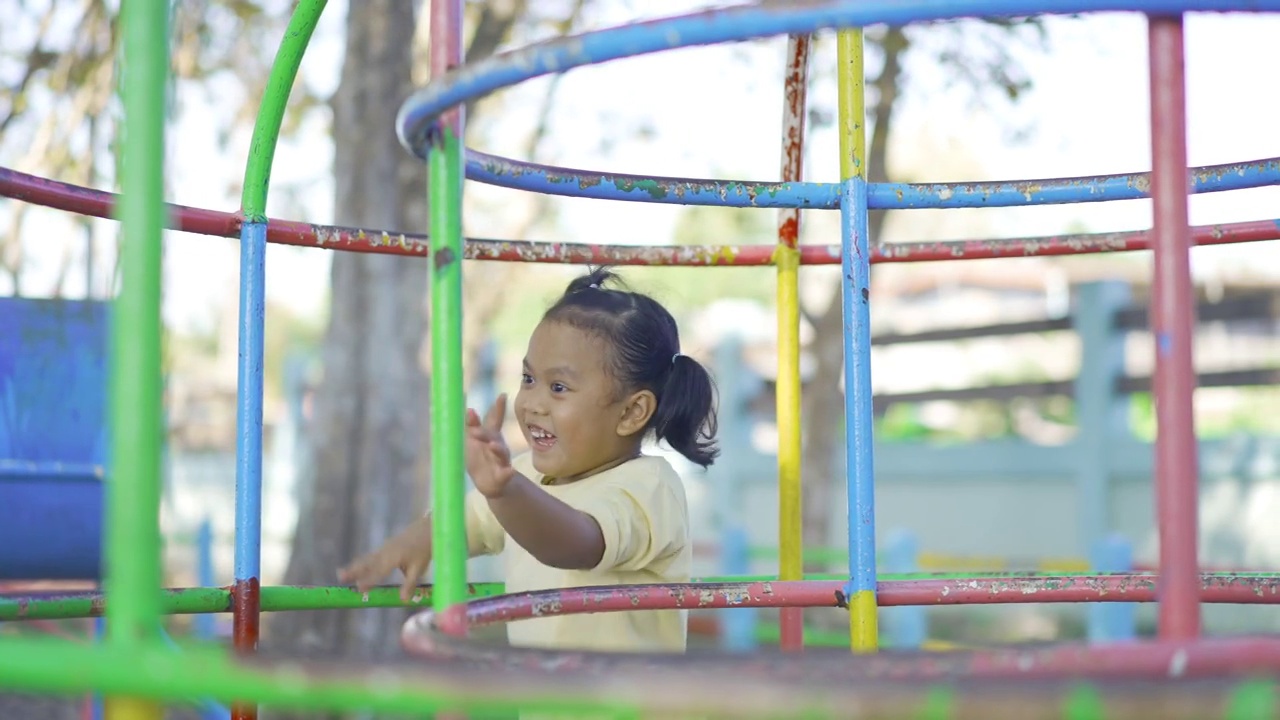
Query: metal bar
point(764, 688)
point(252, 318)
point(447, 401)
point(1006, 589)
point(664, 190)
point(788, 395)
point(199, 601)
point(856, 293)
point(1173, 327)
point(1218, 586)
point(135, 429)
point(74, 198)
point(420, 113)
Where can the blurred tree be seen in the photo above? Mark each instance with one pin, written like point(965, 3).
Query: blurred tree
point(370, 432)
point(59, 111)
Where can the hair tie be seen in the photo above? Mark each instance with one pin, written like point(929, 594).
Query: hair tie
point(673, 357)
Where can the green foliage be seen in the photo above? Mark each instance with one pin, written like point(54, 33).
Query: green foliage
point(1252, 412)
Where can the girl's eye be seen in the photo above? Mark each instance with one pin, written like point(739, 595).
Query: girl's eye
point(526, 378)
point(558, 387)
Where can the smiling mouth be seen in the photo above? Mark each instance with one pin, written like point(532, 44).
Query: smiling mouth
point(541, 439)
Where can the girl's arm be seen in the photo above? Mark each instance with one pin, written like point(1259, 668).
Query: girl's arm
point(557, 535)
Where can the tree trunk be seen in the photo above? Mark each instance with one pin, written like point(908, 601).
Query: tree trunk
point(824, 470)
point(368, 441)
point(370, 432)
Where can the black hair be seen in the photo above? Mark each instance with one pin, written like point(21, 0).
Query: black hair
point(644, 354)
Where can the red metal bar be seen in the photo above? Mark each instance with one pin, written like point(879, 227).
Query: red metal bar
point(202, 221)
point(1011, 589)
point(424, 634)
point(791, 620)
point(1173, 327)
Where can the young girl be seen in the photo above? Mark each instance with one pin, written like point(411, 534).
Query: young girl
point(603, 371)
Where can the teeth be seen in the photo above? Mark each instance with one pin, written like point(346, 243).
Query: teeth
point(539, 433)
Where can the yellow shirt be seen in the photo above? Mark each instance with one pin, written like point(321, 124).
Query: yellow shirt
point(644, 517)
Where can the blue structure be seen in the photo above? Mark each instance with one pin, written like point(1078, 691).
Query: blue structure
point(52, 438)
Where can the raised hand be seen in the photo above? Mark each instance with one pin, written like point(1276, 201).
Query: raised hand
point(409, 551)
point(488, 458)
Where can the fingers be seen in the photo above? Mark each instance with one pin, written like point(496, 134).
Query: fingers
point(472, 419)
point(497, 412)
point(411, 577)
point(365, 572)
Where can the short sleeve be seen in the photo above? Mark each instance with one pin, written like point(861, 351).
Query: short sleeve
point(642, 514)
point(485, 535)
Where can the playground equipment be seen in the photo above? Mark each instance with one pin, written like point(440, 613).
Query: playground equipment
point(1233, 677)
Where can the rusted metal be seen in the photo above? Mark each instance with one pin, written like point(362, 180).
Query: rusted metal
point(793, 122)
point(790, 516)
point(1005, 588)
point(245, 624)
point(97, 203)
point(1173, 301)
point(440, 638)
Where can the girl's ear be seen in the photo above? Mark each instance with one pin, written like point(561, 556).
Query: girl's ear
point(636, 411)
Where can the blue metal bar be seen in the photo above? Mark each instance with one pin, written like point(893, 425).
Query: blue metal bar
point(248, 540)
point(908, 626)
point(860, 471)
point(572, 182)
point(1112, 621)
point(418, 117)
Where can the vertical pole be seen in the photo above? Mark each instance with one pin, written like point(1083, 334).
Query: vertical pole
point(1172, 321)
point(246, 605)
point(908, 625)
point(133, 576)
point(1101, 411)
point(787, 259)
point(856, 292)
point(204, 622)
point(447, 406)
point(730, 478)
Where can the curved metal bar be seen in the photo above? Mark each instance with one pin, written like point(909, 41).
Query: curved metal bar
point(97, 203)
point(764, 685)
point(439, 636)
point(573, 182)
point(417, 119)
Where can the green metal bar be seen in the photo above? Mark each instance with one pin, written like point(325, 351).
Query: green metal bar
point(132, 523)
point(167, 674)
point(54, 666)
point(133, 489)
point(196, 601)
point(447, 463)
point(266, 129)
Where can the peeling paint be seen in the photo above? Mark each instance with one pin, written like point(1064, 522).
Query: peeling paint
point(73, 198)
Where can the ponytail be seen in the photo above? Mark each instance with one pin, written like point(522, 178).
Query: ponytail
point(686, 417)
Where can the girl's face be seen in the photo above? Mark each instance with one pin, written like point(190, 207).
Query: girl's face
point(573, 417)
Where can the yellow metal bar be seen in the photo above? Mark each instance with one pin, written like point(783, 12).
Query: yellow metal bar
point(790, 521)
point(863, 630)
point(852, 104)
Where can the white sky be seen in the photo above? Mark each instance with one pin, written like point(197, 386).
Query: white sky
point(716, 112)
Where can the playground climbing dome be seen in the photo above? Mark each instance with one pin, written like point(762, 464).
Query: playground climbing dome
point(1178, 674)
